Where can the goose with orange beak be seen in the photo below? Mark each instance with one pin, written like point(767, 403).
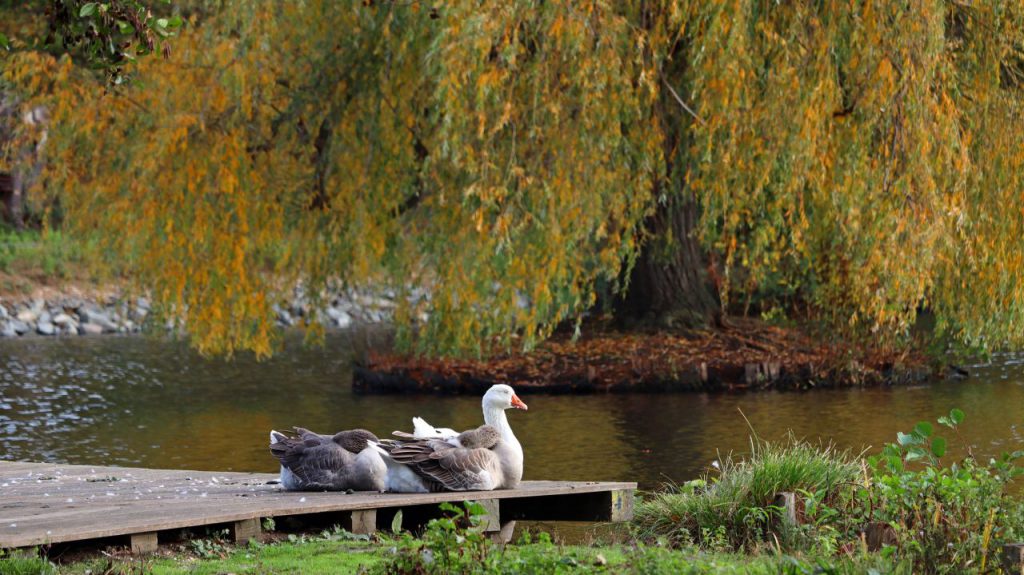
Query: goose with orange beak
point(439, 465)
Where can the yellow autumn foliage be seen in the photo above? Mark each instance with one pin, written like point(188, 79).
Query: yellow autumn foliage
point(862, 156)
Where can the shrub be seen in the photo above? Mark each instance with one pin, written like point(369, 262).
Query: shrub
point(936, 518)
point(736, 508)
point(945, 519)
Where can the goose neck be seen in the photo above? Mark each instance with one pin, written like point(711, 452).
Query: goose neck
point(497, 419)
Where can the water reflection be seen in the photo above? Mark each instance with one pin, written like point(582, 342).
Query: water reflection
point(135, 401)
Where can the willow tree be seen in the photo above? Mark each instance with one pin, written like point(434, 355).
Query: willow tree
point(516, 158)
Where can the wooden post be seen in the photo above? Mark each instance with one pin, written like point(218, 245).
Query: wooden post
point(492, 520)
point(1013, 558)
point(244, 530)
point(143, 543)
point(362, 522)
point(786, 502)
point(504, 535)
point(878, 534)
point(621, 506)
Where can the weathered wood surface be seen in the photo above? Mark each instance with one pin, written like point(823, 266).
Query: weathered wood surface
point(47, 503)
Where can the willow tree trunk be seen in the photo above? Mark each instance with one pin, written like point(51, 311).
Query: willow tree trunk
point(669, 285)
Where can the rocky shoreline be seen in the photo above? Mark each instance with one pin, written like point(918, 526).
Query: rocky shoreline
point(72, 314)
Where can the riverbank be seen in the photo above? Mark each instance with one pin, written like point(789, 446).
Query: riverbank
point(39, 297)
point(747, 355)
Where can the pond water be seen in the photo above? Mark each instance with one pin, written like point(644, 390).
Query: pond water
point(136, 401)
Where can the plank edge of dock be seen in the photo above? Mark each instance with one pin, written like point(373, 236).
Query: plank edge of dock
point(536, 499)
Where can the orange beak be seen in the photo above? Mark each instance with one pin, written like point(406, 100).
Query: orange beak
point(518, 403)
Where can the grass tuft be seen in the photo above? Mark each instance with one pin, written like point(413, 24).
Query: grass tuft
point(735, 508)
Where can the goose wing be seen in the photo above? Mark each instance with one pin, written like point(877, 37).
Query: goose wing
point(448, 468)
point(316, 463)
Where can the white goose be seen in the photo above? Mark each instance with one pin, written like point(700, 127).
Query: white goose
point(489, 457)
point(423, 430)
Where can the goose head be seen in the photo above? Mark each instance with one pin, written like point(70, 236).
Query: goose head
point(502, 397)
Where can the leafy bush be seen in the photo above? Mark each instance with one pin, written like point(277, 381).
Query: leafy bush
point(452, 544)
point(927, 517)
point(736, 508)
point(945, 519)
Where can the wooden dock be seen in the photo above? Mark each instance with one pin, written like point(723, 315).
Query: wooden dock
point(43, 504)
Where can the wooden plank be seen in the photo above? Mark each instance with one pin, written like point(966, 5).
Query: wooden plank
point(45, 503)
point(143, 543)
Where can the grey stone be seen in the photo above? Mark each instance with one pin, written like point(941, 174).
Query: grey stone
point(89, 313)
point(284, 317)
point(46, 328)
point(298, 307)
point(342, 319)
point(7, 329)
point(139, 314)
point(90, 329)
point(92, 316)
point(71, 303)
point(64, 320)
point(45, 317)
point(19, 326)
point(27, 315)
point(142, 303)
point(383, 303)
point(3, 312)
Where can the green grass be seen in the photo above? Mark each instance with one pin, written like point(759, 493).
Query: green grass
point(42, 255)
point(736, 508)
point(344, 557)
point(24, 564)
point(32, 258)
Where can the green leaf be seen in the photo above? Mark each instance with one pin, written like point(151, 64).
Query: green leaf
point(4, 42)
point(175, 22)
point(88, 9)
point(916, 453)
point(396, 523)
point(923, 429)
point(907, 438)
point(161, 22)
point(939, 446)
point(956, 415)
